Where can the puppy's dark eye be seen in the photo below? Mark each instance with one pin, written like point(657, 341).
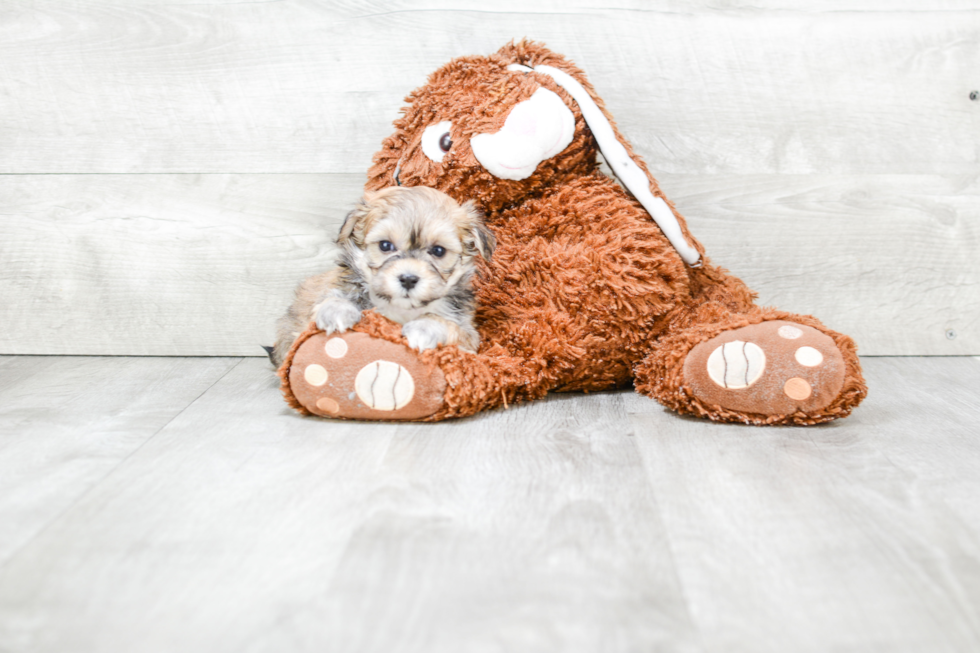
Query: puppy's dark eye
point(445, 142)
point(386, 246)
point(438, 251)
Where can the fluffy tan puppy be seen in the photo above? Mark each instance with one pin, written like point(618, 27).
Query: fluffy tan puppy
point(408, 253)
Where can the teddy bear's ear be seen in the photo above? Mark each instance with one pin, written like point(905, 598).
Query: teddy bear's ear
point(530, 57)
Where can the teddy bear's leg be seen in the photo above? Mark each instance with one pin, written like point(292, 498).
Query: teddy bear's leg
point(370, 373)
point(760, 367)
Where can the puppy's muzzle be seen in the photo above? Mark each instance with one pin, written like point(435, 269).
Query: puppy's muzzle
point(408, 281)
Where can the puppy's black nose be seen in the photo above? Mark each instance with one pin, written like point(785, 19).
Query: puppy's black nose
point(408, 281)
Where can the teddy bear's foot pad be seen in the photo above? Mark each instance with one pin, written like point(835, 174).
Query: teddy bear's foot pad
point(355, 376)
point(771, 368)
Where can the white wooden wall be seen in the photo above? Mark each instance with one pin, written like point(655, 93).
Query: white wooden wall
point(168, 172)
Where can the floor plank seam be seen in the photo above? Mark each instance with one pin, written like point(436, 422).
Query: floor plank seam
point(681, 589)
point(14, 554)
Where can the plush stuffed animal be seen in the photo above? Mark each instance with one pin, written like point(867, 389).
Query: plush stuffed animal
point(592, 286)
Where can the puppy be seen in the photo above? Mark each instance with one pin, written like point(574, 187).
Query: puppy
point(407, 252)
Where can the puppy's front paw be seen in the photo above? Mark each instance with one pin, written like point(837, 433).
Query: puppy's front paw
point(337, 316)
point(425, 334)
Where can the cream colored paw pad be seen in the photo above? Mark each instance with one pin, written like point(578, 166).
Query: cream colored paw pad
point(789, 332)
point(808, 357)
point(335, 348)
point(315, 375)
point(736, 364)
point(384, 385)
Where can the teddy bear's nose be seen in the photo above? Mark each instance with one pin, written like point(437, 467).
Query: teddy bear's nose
point(408, 281)
point(535, 129)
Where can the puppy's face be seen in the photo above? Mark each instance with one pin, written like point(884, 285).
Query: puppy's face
point(413, 245)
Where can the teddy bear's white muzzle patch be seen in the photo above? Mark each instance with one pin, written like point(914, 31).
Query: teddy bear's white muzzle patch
point(535, 130)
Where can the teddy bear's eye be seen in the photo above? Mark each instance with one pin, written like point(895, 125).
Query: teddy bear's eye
point(438, 251)
point(436, 140)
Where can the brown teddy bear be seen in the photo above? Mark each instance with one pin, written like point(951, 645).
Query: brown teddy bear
point(591, 287)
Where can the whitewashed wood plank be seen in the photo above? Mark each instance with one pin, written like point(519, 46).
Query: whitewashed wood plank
point(203, 265)
point(242, 526)
point(67, 422)
point(294, 86)
point(891, 260)
point(159, 265)
point(371, 7)
point(861, 535)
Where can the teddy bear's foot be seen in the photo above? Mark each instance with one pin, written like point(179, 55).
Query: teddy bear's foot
point(356, 376)
point(770, 368)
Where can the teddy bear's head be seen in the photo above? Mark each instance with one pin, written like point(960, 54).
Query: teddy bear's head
point(507, 127)
point(490, 128)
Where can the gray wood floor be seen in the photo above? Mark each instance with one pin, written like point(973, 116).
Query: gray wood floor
point(176, 504)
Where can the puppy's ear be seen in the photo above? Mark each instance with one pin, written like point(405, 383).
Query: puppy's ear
point(483, 239)
point(358, 222)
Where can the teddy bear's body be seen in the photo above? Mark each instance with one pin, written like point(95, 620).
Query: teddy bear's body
point(585, 291)
point(580, 283)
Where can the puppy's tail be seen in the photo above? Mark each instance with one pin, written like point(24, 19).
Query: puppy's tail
point(270, 352)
